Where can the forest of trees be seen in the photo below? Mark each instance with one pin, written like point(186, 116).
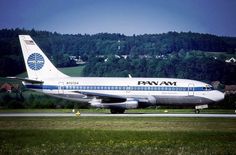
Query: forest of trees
point(181, 62)
point(185, 65)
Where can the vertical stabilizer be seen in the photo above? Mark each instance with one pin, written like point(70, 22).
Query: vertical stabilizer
point(37, 64)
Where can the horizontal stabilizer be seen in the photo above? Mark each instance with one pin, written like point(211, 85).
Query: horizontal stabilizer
point(26, 80)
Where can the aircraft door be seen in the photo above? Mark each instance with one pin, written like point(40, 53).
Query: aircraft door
point(61, 88)
point(191, 89)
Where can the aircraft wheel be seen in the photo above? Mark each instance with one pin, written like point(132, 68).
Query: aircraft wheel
point(121, 111)
point(117, 111)
point(113, 111)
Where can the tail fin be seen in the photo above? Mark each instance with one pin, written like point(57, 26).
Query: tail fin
point(37, 64)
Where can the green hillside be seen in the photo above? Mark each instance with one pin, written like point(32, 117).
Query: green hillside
point(59, 47)
point(72, 71)
point(174, 55)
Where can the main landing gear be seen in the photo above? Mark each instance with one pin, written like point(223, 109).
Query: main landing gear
point(117, 111)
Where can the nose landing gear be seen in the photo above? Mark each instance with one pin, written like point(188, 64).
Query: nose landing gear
point(200, 107)
point(197, 111)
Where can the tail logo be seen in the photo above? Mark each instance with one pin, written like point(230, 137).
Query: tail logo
point(35, 61)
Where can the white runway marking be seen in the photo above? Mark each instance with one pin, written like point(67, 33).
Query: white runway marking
point(114, 115)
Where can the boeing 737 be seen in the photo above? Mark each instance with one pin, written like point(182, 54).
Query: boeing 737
point(116, 94)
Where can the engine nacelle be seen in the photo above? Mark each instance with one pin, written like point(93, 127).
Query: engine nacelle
point(131, 104)
point(128, 104)
point(96, 103)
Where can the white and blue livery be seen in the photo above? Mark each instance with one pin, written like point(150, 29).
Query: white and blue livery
point(117, 94)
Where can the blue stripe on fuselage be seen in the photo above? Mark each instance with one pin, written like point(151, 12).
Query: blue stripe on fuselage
point(119, 88)
point(50, 87)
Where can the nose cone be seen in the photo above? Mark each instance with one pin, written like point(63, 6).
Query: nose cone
point(218, 96)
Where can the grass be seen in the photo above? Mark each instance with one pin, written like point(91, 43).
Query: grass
point(122, 123)
point(73, 71)
point(112, 135)
point(115, 142)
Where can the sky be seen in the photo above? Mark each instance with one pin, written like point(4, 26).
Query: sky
point(121, 16)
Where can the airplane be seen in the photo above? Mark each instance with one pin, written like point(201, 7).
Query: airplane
point(115, 93)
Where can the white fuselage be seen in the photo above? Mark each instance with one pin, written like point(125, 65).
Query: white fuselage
point(116, 94)
point(156, 90)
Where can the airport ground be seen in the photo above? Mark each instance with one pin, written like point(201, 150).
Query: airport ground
point(117, 135)
point(131, 111)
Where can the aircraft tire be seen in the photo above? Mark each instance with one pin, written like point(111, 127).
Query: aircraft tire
point(117, 111)
point(197, 111)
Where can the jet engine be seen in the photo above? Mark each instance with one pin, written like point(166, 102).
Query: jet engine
point(128, 104)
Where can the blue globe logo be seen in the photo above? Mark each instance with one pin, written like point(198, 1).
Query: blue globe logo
point(35, 61)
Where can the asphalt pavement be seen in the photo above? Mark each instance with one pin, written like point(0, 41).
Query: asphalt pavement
point(36, 114)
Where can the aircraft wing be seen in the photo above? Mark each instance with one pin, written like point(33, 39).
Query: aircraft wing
point(26, 80)
point(106, 98)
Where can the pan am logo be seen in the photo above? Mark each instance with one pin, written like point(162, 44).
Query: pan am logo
point(35, 61)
